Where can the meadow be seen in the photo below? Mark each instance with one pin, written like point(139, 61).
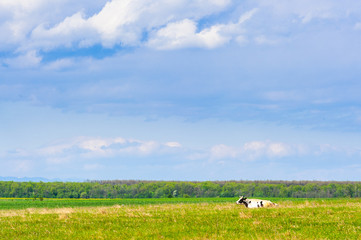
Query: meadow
point(23, 203)
point(179, 218)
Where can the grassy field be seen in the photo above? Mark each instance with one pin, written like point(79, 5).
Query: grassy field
point(23, 203)
point(181, 219)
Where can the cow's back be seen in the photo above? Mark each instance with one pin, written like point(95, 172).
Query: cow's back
point(267, 203)
point(256, 203)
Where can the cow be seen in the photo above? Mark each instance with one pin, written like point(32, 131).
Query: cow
point(255, 203)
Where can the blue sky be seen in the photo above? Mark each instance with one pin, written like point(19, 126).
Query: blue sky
point(180, 90)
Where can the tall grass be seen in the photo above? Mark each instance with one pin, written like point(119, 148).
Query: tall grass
point(304, 219)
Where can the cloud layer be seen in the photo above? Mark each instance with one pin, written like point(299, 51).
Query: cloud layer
point(98, 147)
point(110, 68)
point(122, 22)
point(93, 153)
point(33, 26)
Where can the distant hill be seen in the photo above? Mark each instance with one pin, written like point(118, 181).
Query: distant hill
point(39, 179)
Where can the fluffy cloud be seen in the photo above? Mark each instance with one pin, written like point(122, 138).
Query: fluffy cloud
point(278, 149)
point(73, 28)
point(119, 22)
point(91, 154)
point(255, 150)
point(85, 147)
point(27, 60)
point(173, 144)
point(19, 18)
point(259, 150)
point(34, 25)
point(223, 151)
point(184, 34)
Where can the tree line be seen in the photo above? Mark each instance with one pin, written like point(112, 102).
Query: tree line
point(163, 189)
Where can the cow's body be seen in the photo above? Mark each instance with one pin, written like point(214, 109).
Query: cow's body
point(255, 203)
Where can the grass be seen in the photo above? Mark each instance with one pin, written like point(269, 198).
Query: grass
point(293, 219)
point(23, 203)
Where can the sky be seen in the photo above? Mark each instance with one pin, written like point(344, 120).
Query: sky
point(181, 90)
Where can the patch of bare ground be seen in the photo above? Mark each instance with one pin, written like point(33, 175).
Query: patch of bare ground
point(131, 211)
point(318, 203)
point(62, 212)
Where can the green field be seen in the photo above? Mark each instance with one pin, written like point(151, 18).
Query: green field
point(180, 218)
point(23, 203)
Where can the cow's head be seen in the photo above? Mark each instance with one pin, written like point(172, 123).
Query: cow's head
point(241, 200)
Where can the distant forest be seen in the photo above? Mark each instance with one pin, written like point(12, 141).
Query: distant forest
point(164, 189)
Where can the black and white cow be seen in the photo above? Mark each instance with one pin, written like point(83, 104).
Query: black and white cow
point(255, 203)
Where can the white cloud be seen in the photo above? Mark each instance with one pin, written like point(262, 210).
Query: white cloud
point(124, 20)
point(175, 35)
point(54, 149)
point(60, 64)
point(147, 147)
point(94, 153)
point(326, 148)
point(33, 25)
point(254, 146)
point(87, 147)
point(263, 40)
point(74, 28)
point(95, 145)
point(258, 150)
point(173, 144)
point(278, 149)
point(19, 4)
point(19, 18)
point(184, 34)
point(255, 150)
point(28, 60)
point(223, 151)
point(118, 22)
